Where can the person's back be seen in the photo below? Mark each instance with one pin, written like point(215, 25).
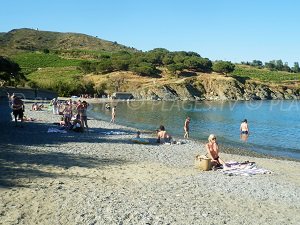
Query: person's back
point(162, 135)
point(244, 129)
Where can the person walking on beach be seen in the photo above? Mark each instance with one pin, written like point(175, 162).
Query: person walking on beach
point(186, 127)
point(113, 114)
point(212, 148)
point(18, 109)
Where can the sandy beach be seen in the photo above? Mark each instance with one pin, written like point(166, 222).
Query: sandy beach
point(101, 177)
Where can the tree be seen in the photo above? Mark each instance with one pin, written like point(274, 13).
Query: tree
point(10, 71)
point(286, 67)
point(224, 67)
point(279, 65)
point(104, 66)
point(144, 69)
point(296, 68)
point(271, 65)
point(167, 59)
point(257, 63)
point(173, 68)
point(87, 67)
point(156, 56)
point(197, 63)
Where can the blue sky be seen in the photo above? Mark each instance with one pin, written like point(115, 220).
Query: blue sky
point(233, 30)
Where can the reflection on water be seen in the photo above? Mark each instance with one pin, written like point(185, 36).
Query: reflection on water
point(274, 125)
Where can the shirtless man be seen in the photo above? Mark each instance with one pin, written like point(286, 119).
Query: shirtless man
point(213, 150)
point(244, 127)
point(186, 127)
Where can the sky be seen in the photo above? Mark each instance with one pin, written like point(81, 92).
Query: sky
point(231, 30)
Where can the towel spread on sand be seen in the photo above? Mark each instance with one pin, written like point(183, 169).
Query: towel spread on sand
point(243, 169)
point(55, 130)
point(113, 133)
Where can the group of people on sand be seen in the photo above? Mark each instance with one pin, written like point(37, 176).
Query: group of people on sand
point(74, 115)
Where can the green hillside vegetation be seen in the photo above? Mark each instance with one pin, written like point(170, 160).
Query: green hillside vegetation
point(65, 80)
point(65, 62)
point(31, 61)
point(264, 75)
point(19, 40)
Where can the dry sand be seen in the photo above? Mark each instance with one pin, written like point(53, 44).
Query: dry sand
point(93, 178)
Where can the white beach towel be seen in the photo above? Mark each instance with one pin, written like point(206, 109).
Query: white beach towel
point(113, 133)
point(55, 130)
point(243, 169)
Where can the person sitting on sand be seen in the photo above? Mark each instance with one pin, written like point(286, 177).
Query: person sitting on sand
point(213, 150)
point(37, 107)
point(138, 134)
point(163, 136)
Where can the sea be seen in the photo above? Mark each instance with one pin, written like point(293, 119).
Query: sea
point(274, 124)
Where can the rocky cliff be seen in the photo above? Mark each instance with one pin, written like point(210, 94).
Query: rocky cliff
point(216, 87)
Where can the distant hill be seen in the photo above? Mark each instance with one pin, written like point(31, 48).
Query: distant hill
point(20, 40)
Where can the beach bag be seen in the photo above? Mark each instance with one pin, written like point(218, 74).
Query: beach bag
point(202, 162)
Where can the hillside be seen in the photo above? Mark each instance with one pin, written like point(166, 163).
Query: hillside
point(20, 40)
point(60, 69)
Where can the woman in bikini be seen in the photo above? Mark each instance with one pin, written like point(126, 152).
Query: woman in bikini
point(213, 150)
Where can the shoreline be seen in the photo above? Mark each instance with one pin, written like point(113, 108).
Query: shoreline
point(225, 148)
point(99, 178)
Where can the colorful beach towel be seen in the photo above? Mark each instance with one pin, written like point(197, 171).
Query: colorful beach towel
point(243, 169)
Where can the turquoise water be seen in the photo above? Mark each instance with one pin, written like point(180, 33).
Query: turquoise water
point(274, 125)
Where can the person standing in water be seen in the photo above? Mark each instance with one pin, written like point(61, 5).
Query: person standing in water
point(244, 129)
point(113, 114)
point(186, 127)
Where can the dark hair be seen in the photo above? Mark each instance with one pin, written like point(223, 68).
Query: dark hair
point(161, 127)
point(245, 120)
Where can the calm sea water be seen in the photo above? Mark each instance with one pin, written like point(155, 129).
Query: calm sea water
point(274, 125)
